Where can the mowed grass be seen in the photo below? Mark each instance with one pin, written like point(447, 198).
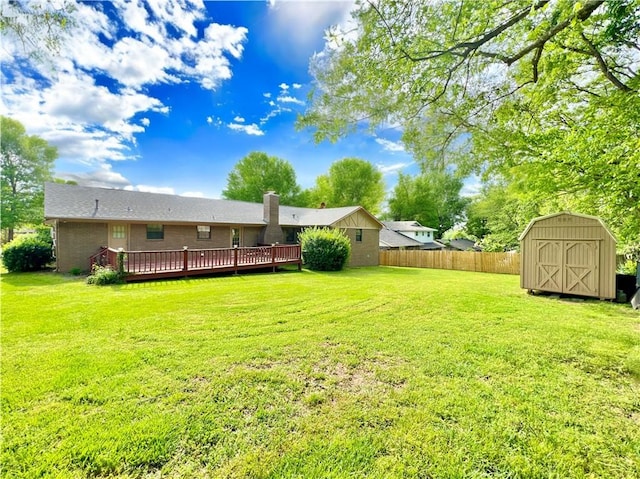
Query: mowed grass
point(373, 372)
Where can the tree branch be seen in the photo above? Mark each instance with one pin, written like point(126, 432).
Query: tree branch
point(603, 66)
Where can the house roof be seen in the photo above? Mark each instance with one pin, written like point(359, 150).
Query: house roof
point(463, 244)
point(553, 215)
point(392, 239)
point(406, 226)
point(432, 245)
point(74, 202)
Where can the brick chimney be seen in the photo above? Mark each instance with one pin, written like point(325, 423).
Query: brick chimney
point(272, 232)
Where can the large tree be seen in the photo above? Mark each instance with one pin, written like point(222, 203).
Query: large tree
point(258, 173)
point(433, 199)
point(545, 92)
point(349, 182)
point(26, 162)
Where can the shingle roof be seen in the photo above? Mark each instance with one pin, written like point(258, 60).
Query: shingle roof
point(73, 202)
point(406, 226)
point(389, 238)
point(463, 244)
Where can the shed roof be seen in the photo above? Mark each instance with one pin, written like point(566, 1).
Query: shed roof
point(74, 202)
point(553, 215)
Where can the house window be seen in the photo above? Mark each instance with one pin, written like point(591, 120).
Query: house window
point(359, 235)
point(155, 232)
point(204, 232)
point(290, 235)
point(235, 237)
point(118, 232)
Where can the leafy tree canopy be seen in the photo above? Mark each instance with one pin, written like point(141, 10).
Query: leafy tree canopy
point(349, 182)
point(26, 162)
point(258, 173)
point(540, 92)
point(433, 199)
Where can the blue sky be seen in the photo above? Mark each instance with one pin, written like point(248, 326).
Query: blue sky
point(168, 96)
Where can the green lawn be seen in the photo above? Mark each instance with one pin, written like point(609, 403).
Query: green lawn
point(373, 372)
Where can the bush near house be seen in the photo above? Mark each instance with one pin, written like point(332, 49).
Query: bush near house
point(324, 249)
point(29, 253)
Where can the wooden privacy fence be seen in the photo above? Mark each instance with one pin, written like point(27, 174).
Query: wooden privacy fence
point(506, 263)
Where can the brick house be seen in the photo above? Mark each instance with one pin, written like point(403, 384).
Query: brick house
point(85, 219)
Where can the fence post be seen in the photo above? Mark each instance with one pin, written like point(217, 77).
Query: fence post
point(185, 258)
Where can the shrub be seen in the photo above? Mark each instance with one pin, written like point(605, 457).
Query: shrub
point(324, 249)
point(102, 275)
point(30, 253)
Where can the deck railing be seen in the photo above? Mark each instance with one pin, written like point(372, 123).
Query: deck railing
point(185, 262)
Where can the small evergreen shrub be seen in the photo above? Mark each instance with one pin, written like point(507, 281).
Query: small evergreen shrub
point(102, 275)
point(324, 249)
point(75, 271)
point(27, 254)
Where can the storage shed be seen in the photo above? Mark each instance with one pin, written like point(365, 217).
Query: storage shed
point(568, 253)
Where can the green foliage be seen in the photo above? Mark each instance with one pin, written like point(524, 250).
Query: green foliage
point(433, 199)
point(30, 253)
point(258, 173)
point(349, 182)
point(324, 249)
point(628, 267)
point(543, 94)
point(454, 234)
point(499, 215)
point(26, 163)
point(102, 275)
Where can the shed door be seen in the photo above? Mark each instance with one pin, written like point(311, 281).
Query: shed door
point(581, 268)
point(549, 266)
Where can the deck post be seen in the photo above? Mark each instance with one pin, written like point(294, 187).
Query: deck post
point(235, 259)
point(273, 257)
point(185, 258)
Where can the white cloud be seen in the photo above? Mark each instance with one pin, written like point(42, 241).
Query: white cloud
point(140, 43)
point(251, 129)
point(284, 86)
point(267, 95)
point(390, 169)
point(103, 177)
point(290, 99)
point(471, 186)
point(390, 145)
point(295, 26)
point(296, 86)
point(238, 119)
point(152, 189)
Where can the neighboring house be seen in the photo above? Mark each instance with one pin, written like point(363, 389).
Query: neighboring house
point(390, 239)
point(84, 219)
point(463, 244)
point(396, 233)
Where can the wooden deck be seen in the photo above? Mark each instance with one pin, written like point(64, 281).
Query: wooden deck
point(143, 265)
